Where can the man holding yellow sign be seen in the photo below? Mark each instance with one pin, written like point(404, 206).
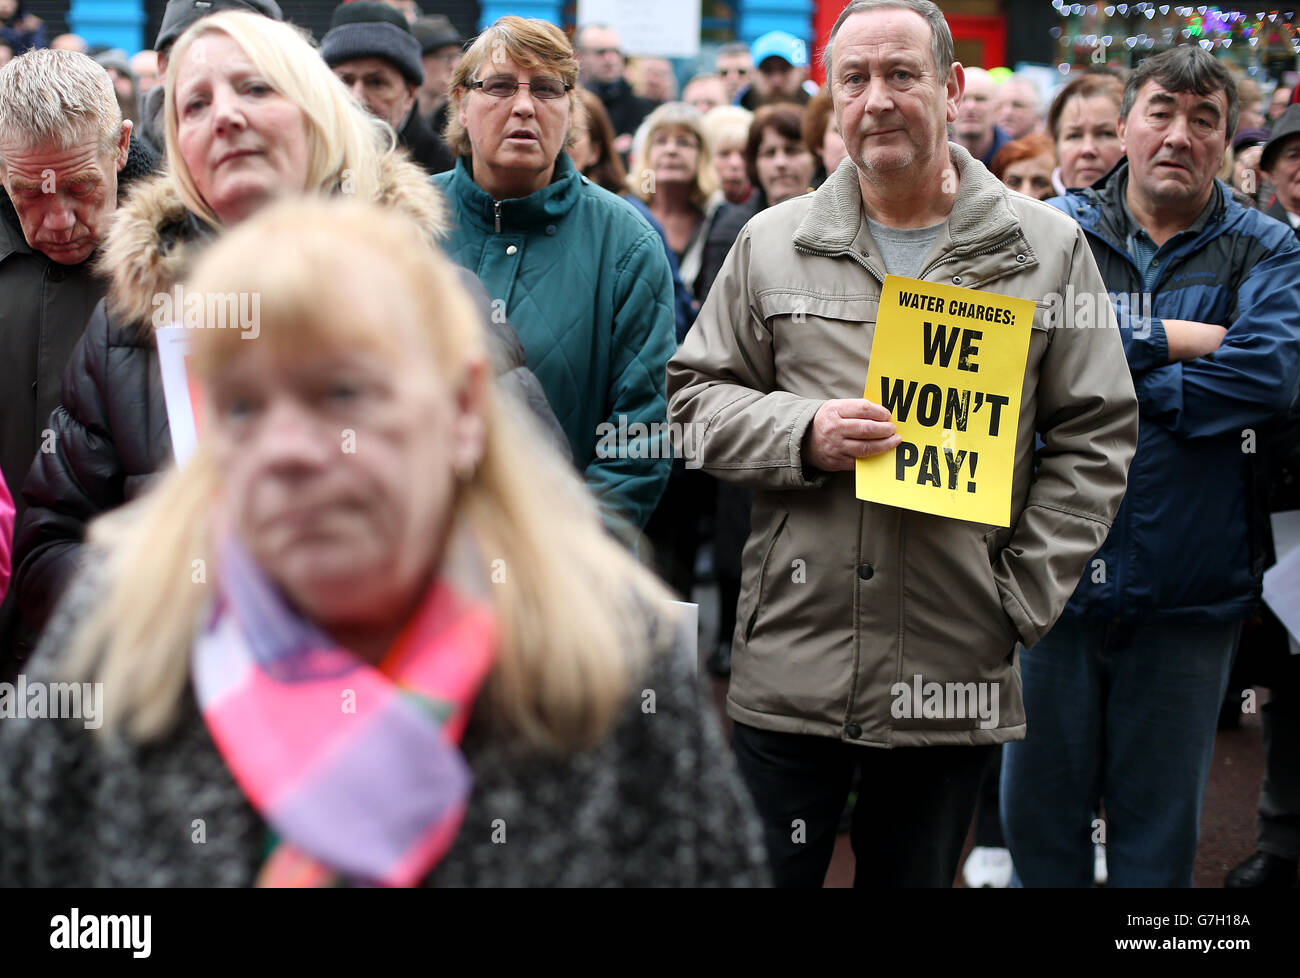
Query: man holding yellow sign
point(865, 626)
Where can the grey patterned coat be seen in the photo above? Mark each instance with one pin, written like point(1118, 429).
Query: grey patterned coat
point(658, 803)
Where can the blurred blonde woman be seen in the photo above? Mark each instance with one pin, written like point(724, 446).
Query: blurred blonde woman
point(369, 665)
point(252, 114)
point(726, 128)
point(672, 173)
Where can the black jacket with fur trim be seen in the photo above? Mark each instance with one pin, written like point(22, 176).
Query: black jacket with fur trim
point(111, 433)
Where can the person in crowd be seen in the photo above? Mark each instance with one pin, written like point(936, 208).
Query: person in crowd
point(1250, 113)
point(20, 29)
point(371, 48)
point(821, 137)
point(975, 127)
point(70, 42)
point(735, 66)
point(780, 165)
point(598, 336)
point(600, 56)
point(440, 45)
point(1124, 693)
point(1278, 101)
point(470, 709)
point(1274, 863)
point(673, 176)
point(118, 66)
point(55, 208)
point(252, 113)
point(144, 66)
point(780, 68)
point(882, 592)
point(1084, 123)
point(653, 79)
point(591, 148)
point(1025, 165)
point(1246, 175)
point(178, 15)
point(1018, 109)
point(705, 92)
point(1279, 161)
point(727, 128)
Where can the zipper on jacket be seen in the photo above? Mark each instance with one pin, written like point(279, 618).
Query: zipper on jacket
point(839, 254)
point(954, 255)
point(496, 206)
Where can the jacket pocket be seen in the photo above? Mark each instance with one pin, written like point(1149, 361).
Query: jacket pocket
point(995, 541)
point(762, 576)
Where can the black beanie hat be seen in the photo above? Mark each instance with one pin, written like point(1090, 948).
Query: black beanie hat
point(371, 29)
point(180, 14)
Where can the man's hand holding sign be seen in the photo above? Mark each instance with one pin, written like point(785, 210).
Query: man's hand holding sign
point(937, 429)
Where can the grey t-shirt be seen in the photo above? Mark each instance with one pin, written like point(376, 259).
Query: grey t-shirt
point(904, 249)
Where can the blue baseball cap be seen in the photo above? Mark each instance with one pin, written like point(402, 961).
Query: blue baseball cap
point(779, 44)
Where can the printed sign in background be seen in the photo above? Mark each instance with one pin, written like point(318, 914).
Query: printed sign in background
point(949, 364)
point(666, 29)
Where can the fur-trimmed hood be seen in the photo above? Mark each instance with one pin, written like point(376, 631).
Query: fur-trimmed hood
point(154, 237)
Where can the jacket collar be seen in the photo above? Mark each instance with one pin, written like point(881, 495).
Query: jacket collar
point(1110, 218)
point(980, 213)
point(518, 213)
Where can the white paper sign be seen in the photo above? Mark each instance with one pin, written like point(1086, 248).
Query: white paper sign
point(1282, 580)
point(690, 626)
point(173, 348)
point(667, 29)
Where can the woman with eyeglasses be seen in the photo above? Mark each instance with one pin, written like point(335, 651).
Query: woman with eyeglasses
point(580, 275)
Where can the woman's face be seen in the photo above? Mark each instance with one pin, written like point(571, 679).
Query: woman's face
point(785, 167)
point(1088, 143)
point(514, 139)
point(673, 155)
point(581, 150)
point(339, 464)
point(729, 161)
point(243, 142)
point(833, 151)
point(1031, 177)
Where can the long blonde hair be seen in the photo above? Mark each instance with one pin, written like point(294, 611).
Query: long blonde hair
point(576, 611)
point(673, 115)
point(345, 142)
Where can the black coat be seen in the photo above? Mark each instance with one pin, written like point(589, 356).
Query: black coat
point(43, 310)
point(111, 433)
point(425, 146)
point(626, 109)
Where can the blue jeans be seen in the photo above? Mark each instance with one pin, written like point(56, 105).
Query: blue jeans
point(1120, 716)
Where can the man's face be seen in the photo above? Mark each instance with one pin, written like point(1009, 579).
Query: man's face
point(64, 197)
point(776, 78)
point(379, 87)
point(1284, 174)
point(1017, 109)
point(975, 115)
point(439, 65)
point(705, 94)
point(600, 57)
point(1175, 143)
point(734, 70)
point(8, 8)
point(1278, 103)
point(657, 80)
point(145, 66)
point(891, 106)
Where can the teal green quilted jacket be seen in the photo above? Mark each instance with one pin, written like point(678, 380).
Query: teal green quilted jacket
point(584, 281)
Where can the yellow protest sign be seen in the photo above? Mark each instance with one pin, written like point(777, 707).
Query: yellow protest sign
point(949, 364)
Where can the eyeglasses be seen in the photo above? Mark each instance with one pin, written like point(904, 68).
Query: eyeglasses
point(503, 86)
point(601, 52)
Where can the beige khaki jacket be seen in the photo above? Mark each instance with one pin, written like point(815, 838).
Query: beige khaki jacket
point(841, 599)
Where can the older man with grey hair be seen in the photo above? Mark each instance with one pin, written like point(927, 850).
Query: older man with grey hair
point(845, 601)
point(66, 156)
